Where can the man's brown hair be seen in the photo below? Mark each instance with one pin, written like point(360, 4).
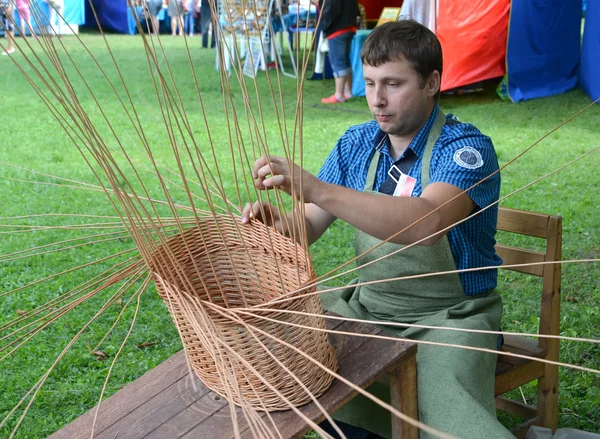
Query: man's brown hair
point(404, 40)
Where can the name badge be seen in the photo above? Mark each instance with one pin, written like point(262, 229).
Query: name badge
point(404, 183)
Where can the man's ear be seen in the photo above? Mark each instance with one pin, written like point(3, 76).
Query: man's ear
point(433, 83)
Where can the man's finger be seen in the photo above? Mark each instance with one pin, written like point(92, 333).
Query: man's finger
point(275, 181)
point(270, 168)
point(259, 163)
point(246, 213)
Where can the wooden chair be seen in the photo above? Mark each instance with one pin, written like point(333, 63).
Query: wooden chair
point(513, 372)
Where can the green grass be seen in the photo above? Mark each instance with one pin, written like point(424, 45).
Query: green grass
point(31, 138)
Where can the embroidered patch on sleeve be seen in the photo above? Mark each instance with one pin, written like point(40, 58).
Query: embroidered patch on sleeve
point(468, 157)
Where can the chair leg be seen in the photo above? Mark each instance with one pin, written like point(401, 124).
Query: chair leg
point(403, 393)
point(547, 403)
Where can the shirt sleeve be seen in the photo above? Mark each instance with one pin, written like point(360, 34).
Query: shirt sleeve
point(466, 161)
point(335, 168)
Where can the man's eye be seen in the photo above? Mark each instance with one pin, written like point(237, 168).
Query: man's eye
point(369, 84)
point(393, 84)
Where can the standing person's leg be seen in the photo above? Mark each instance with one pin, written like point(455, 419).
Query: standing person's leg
point(173, 25)
point(197, 23)
point(29, 26)
point(340, 64)
point(21, 23)
point(25, 20)
point(192, 23)
point(180, 21)
point(9, 30)
point(205, 20)
point(11, 41)
point(155, 25)
point(9, 34)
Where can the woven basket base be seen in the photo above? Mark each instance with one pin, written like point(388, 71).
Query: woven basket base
point(234, 266)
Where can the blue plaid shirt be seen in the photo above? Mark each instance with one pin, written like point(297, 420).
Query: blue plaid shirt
point(472, 242)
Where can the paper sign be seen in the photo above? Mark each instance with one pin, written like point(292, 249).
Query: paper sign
point(388, 14)
point(405, 185)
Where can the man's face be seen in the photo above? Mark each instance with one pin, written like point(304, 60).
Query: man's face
point(397, 97)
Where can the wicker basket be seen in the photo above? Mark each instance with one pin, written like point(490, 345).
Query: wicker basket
point(234, 266)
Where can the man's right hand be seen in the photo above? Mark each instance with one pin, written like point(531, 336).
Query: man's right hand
point(263, 212)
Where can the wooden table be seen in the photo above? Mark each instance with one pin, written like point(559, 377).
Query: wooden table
point(163, 404)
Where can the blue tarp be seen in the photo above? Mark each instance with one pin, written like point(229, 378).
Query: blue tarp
point(358, 82)
point(75, 11)
point(543, 50)
point(590, 52)
point(112, 15)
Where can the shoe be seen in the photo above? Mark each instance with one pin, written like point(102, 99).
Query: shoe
point(9, 52)
point(347, 96)
point(332, 100)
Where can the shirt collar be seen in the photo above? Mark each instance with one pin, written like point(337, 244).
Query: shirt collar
point(417, 144)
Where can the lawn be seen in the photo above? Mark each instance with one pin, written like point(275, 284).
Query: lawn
point(31, 138)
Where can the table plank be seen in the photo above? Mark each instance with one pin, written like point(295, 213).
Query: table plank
point(362, 366)
point(128, 399)
point(187, 420)
point(163, 402)
point(361, 360)
point(156, 411)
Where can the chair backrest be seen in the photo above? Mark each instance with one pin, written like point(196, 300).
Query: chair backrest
point(549, 228)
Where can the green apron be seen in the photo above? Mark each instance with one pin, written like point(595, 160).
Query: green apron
point(456, 386)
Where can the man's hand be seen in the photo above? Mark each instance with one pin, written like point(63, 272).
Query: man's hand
point(279, 173)
point(263, 212)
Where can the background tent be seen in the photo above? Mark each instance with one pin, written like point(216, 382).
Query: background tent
point(590, 52)
point(112, 15)
point(115, 15)
point(543, 50)
point(473, 36)
point(535, 43)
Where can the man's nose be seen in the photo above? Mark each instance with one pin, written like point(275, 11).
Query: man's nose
point(378, 97)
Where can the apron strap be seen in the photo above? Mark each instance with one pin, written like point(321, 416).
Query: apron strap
point(434, 135)
point(372, 174)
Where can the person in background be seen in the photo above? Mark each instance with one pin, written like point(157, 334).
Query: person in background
point(188, 17)
point(205, 17)
point(6, 12)
point(154, 8)
point(338, 22)
point(196, 12)
point(24, 16)
point(176, 11)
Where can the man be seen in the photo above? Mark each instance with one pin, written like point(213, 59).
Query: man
point(432, 160)
point(338, 22)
